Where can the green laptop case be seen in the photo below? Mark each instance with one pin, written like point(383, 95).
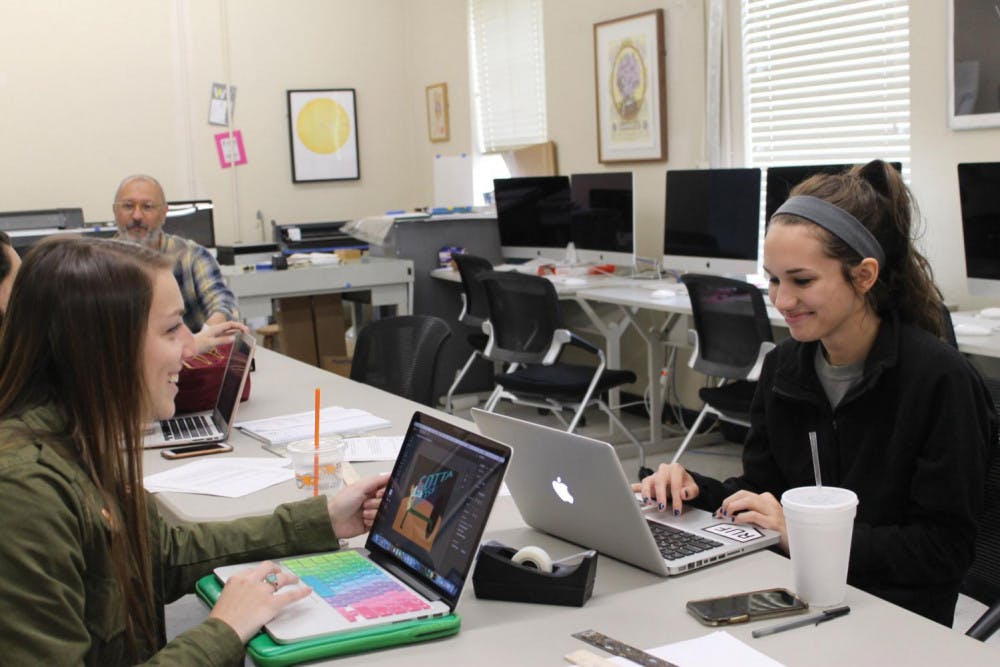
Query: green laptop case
point(267, 653)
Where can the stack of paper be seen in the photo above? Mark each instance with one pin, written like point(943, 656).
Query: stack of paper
point(332, 420)
point(228, 476)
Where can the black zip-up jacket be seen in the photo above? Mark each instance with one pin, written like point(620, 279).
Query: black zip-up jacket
point(913, 440)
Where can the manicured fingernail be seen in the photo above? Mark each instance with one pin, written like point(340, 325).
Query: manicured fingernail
point(645, 500)
point(677, 512)
point(662, 506)
point(732, 519)
point(724, 512)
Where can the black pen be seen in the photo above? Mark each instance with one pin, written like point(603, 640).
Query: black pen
point(815, 619)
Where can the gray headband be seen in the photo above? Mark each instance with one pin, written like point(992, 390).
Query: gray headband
point(837, 221)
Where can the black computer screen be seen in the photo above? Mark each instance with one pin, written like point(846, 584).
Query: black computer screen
point(602, 211)
point(781, 180)
point(979, 193)
point(533, 211)
point(191, 220)
point(712, 213)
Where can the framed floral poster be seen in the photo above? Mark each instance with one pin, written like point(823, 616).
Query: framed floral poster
point(629, 72)
point(323, 134)
point(437, 112)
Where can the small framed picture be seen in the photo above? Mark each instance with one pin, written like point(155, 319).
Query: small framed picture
point(323, 134)
point(437, 112)
point(629, 64)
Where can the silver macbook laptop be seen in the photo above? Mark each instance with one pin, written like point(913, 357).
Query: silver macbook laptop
point(574, 487)
point(421, 545)
point(211, 425)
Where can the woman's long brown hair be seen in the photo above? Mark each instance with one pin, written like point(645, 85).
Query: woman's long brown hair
point(73, 338)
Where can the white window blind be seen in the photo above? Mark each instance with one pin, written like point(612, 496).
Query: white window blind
point(508, 72)
point(826, 81)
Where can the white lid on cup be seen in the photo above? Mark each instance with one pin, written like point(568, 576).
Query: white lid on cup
point(819, 499)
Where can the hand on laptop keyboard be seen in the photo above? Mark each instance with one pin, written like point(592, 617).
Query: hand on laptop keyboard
point(249, 599)
point(669, 486)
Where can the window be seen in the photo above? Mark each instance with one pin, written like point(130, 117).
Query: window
point(508, 73)
point(826, 81)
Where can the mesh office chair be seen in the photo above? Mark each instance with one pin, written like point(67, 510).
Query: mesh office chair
point(475, 311)
point(982, 581)
point(732, 334)
point(399, 355)
point(525, 330)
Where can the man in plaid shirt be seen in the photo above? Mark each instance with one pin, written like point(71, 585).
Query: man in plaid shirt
point(140, 209)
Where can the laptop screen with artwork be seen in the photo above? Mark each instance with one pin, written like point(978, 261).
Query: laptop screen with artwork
point(437, 503)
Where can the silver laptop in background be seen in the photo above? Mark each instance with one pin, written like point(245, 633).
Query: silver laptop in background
point(574, 487)
point(210, 425)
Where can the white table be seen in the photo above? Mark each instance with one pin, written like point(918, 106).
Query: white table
point(634, 606)
point(389, 280)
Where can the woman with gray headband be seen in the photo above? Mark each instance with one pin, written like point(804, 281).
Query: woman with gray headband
point(901, 418)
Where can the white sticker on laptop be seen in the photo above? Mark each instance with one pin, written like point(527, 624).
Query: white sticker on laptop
point(737, 533)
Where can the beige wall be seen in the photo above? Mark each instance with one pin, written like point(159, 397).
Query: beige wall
point(569, 72)
point(936, 149)
point(91, 91)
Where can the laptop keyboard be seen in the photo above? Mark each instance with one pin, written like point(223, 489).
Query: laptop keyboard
point(354, 586)
point(675, 544)
point(186, 427)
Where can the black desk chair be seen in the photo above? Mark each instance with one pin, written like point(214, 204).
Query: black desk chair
point(982, 581)
point(732, 334)
point(525, 330)
point(475, 311)
point(399, 355)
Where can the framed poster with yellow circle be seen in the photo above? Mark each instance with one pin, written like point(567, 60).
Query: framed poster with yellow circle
point(323, 134)
point(629, 73)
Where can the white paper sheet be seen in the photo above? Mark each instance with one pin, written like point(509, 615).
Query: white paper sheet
point(373, 448)
point(711, 650)
point(227, 476)
point(300, 426)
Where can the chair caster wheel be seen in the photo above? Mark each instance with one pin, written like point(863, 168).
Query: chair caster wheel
point(644, 472)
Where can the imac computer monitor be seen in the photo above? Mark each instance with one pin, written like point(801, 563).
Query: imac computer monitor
point(979, 194)
point(712, 221)
point(191, 220)
point(603, 220)
point(533, 215)
point(781, 180)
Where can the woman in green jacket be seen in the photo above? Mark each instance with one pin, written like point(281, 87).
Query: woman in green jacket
point(89, 354)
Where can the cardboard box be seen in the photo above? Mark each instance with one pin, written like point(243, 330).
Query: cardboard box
point(311, 327)
point(340, 365)
point(328, 322)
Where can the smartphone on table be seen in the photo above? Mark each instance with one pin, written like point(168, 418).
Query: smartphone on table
point(744, 607)
point(188, 451)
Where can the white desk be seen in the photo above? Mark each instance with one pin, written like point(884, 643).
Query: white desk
point(389, 280)
point(983, 346)
point(629, 604)
point(637, 295)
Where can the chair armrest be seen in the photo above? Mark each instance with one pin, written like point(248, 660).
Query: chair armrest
point(576, 341)
point(987, 624)
point(564, 337)
point(765, 347)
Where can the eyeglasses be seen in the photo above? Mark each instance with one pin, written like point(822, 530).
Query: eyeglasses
point(146, 206)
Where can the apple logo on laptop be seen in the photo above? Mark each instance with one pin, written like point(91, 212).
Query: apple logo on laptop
point(562, 490)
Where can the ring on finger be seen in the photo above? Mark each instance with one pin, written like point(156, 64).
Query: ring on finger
point(272, 579)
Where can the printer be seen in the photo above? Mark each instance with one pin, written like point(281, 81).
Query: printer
point(314, 237)
point(27, 227)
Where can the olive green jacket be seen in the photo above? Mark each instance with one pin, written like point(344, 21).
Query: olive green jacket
point(59, 603)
